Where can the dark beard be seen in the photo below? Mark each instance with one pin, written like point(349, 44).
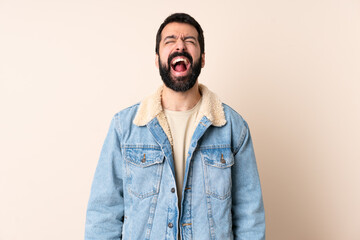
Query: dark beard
point(180, 84)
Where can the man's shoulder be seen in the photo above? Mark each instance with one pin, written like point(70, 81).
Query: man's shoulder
point(232, 115)
point(127, 114)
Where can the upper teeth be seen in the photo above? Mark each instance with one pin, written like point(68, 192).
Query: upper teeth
point(179, 60)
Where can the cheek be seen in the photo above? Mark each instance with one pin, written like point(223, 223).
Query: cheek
point(164, 50)
point(164, 57)
point(195, 53)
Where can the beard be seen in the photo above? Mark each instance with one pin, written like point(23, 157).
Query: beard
point(184, 83)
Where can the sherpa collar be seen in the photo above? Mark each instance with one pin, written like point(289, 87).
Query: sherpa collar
point(211, 107)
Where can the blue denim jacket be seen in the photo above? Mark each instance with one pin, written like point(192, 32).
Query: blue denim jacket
point(133, 195)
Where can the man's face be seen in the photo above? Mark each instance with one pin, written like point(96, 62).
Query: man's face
point(179, 59)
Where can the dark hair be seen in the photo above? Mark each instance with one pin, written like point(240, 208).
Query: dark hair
point(181, 18)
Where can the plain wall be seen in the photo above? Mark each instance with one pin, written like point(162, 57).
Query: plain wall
point(290, 68)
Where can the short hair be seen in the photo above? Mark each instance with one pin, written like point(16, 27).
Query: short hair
point(181, 18)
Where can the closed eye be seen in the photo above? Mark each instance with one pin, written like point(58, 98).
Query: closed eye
point(190, 39)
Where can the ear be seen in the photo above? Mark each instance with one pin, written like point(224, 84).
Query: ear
point(157, 60)
point(202, 60)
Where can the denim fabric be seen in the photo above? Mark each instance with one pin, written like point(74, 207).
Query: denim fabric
point(133, 197)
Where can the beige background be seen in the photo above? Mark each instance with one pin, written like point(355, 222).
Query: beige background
point(291, 68)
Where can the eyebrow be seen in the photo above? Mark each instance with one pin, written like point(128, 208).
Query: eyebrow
point(190, 37)
point(170, 37)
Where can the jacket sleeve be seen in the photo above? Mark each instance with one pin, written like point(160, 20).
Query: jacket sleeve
point(105, 211)
point(248, 214)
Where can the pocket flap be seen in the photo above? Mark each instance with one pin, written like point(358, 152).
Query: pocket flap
point(144, 157)
point(218, 157)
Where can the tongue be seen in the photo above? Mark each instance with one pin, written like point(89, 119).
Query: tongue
point(180, 67)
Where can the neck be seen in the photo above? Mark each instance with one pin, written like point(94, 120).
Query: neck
point(180, 101)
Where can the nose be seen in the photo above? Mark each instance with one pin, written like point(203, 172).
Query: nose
point(180, 45)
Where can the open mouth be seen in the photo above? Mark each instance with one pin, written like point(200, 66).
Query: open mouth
point(180, 64)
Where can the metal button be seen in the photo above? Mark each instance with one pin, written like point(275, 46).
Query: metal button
point(172, 190)
point(222, 159)
point(170, 225)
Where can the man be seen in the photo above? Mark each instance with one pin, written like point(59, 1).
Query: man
point(179, 165)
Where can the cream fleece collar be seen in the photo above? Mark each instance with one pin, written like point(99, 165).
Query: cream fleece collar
point(151, 107)
point(211, 107)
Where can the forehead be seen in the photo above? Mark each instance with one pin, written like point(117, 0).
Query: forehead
point(178, 29)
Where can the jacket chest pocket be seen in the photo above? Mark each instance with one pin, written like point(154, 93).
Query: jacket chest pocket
point(143, 171)
point(217, 171)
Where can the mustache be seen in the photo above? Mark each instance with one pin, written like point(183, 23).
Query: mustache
point(178, 54)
